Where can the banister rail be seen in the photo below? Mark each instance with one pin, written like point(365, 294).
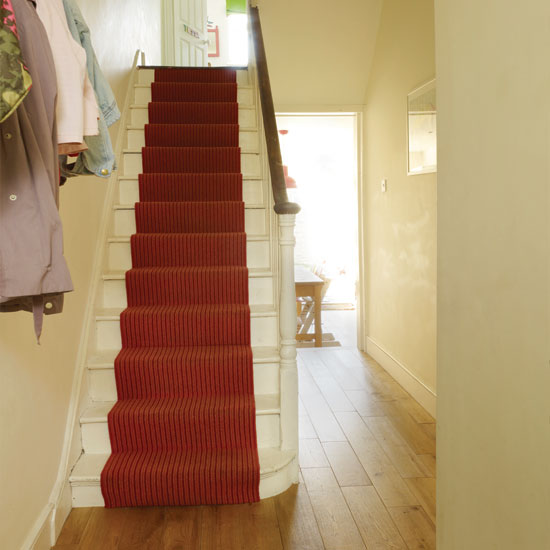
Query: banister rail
point(278, 184)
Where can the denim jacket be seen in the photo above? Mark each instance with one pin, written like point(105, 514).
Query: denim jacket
point(99, 159)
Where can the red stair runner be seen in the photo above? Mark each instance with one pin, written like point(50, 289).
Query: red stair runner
point(199, 112)
point(185, 135)
point(195, 75)
point(158, 160)
point(194, 91)
point(190, 187)
point(183, 430)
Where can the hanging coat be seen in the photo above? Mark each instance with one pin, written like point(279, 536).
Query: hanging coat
point(77, 110)
point(33, 272)
point(99, 158)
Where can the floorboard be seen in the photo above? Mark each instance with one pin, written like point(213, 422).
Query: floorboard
point(297, 523)
point(415, 527)
point(345, 464)
point(373, 519)
point(336, 524)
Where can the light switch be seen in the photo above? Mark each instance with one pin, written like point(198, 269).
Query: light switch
point(384, 185)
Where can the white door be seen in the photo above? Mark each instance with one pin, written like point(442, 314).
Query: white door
point(186, 43)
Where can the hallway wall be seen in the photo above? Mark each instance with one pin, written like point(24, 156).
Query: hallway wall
point(400, 225)
point(319, 52)
point(36, 381)
point(493, 433)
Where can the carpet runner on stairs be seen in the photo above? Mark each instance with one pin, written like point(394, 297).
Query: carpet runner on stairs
point(183, 430)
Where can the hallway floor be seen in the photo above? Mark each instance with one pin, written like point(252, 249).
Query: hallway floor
point(367, 458)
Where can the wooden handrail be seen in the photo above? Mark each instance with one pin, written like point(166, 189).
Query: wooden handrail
point(278, 184)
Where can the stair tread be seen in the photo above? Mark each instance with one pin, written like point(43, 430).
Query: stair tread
point(138, 151)
point(241, 106)
point(126, 238)
point(87, 470)
point(132, 206)
point(135, 177)
point(244, 86)
point(106, 359)
point(97, 412)
point(253, 272)
point(243, 68)
point(113, 314)
point(241, 129)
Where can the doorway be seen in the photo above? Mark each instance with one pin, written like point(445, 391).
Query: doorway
point(320, 155)
point(201, 33)
point(227, 30)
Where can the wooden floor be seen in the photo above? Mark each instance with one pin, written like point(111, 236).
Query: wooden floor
point(367, 479)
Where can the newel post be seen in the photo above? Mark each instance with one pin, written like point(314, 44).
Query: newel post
point(287, 327)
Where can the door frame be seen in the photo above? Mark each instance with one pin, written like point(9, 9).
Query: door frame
point(168, 53)
point(363, 296)
point(355, 111)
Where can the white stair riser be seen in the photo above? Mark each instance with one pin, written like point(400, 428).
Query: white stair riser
point(95, 435)
point(87, 496)
point(253, 191)
point(258, 254)
point(139, 117)
point(142, 96)
point(250, 165)
point(263, 332)
point(248, 141)
point(260, 291)
point(103, 385)
point(120, 256)
point(146, 76)
point(255, 222)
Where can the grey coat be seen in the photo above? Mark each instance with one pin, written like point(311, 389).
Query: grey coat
point(33, 272)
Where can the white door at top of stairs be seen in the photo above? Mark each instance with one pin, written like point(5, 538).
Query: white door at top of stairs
point(185, 34)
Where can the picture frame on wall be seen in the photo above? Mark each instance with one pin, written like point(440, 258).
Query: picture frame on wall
point(214, 42)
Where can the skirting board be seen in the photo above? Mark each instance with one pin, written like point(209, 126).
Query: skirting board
point(47, 527)
point(39, 537)
point(424, 395)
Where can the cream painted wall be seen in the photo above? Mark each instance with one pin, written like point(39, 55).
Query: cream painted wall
point(36, 381)
point(493, 433)
point(319, 52)
point(119, 29)
point(400, 225)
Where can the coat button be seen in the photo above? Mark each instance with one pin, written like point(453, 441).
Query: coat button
point(104, 172)
point(8, 136)
point(13, 197)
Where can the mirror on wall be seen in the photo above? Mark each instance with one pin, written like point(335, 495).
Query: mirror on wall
point(421, 127)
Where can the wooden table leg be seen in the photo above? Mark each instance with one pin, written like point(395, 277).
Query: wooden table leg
point(318, 326)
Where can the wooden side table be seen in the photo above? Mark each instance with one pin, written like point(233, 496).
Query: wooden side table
point(309, 285)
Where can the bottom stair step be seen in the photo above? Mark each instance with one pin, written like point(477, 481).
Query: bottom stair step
point(278, 470)
point(172, 478)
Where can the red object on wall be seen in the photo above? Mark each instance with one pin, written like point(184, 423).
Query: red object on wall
point(290, 182)
point(214, 40)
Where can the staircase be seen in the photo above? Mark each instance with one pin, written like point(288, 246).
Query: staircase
point(274, 378)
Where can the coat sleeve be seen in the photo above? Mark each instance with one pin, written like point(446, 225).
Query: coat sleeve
point(105, 97)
